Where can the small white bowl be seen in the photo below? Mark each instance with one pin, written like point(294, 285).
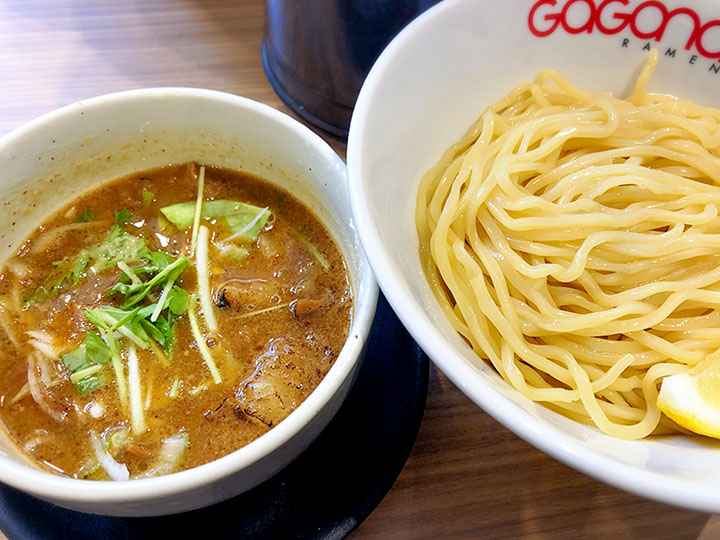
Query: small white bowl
point(430, 84)
point(48, 160)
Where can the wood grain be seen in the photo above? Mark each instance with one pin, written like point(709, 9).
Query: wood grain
point(467, 477)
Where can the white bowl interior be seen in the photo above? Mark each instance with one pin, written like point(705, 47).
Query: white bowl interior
point(426, 89)
point(61, 154)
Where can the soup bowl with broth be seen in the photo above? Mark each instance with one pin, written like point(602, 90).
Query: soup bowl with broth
point(185, 302)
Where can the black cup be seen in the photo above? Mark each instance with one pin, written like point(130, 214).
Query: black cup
point(316, 53)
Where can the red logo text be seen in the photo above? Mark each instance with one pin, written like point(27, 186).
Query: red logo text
point(614, 16)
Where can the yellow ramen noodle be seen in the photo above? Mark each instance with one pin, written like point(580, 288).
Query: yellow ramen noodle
point(573, 239)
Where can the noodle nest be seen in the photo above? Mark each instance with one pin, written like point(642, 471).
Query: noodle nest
point(572, 238)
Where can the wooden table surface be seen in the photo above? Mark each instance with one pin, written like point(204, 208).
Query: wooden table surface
point(467, 477)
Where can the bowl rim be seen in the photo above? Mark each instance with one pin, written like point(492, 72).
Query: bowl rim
point(71, 490)
point(472, 383)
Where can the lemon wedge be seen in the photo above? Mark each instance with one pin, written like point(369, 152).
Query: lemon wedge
point(692, 399)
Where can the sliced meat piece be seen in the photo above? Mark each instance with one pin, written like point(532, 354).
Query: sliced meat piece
point(139, 450)
point(247, 295)
point(304, 307)
point(278, 384)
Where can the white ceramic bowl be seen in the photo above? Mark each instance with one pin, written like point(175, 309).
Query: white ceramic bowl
point(426, 89)
point(47, 161)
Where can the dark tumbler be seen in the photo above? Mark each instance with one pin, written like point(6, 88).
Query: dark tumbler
point(316, 53)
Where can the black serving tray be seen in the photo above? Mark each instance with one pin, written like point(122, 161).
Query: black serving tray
point(324, 494)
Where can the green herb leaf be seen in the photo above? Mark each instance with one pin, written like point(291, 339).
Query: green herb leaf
point(96, 350)
point(123, 216)
point(118, 245)
point(86, 216)
point(84, 374)
point(88, 384)
point(171, 271)
point(153, 331)
point(95, 317)
point(136, 324)
point(119, 287)
point(50, 285)
point(136, 327)
point(75, 360)
point(145, 312)
point(177, 300)
point(77, 270)
point(124, 321)
point(165, 327)
point(160, 260)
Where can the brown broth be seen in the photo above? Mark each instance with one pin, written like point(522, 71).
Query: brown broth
point(269, 362)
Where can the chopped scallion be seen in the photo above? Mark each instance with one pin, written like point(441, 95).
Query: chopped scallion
point(122, 265)
point(259, 311)
point(171, 454)
point(84, 373)
point(147, 197)
point(200, 341)
point(303, 237)
point(198, 208)
point(200, 388)
point(201, 264)
point(137, 413)
point(171, 271)
point(174, 388)
point(115, 470)
point(161, 301)
point(160, 354)
point(90, 467)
